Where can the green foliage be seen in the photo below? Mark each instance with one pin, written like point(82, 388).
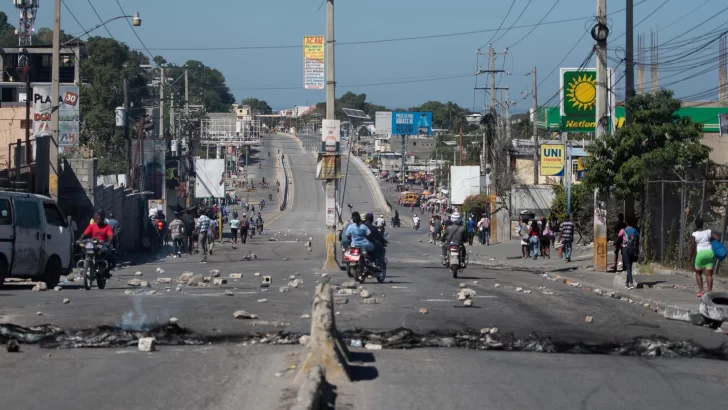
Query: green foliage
point(353, 101)
point(258, 106)
point(445, 115)
point(582, 208)
point(475, 204)
point(658, 144)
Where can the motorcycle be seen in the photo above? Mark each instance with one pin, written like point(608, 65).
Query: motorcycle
point(259, 227)
point(454, 260)
point(417, 226)
point(395, 222)
point(94, 263)
point(359, 265)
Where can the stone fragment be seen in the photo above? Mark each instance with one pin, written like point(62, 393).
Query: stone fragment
point(236, 276)
point(475, 282)
point(423, 311)
point(468, 302)
point(485, 331)
point(128, 292)
point(196, 280)
point(145, 284)
point(158, 269)
point(266, 282)
point(548, 293)
point(152, 292)
point(215, 273)
point(164, 280)
point(256, 274)
point(373, 346)
point(241, 314)
point(284, 289)
point(66, 301)
point(305, 316)
point(646, 305)
point(350, 285)
point(262, 300)
point(178, 288)
point(589, 319)
point(12, 346)
point(147, 344)
point(219, 281)
point(304, 340)
point(207, 279)
point(466, 294)
point(39, 313)
point(341, 301)
point(57, 288)
point(463, 286)
point(229, 292)
point(254, 256)
point(598, 292)
point(134, 282)
point(519, 289)
point(528, 292)
point(40, 287)
point(497, 285)
point(185, 277)
point(173, 320)
point(139, 273)
point(371, 301)
point(365, 294)
point(161, 271)
point(295, 283)
point(494, 330)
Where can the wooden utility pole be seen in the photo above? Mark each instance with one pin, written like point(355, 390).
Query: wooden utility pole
point(600, 211)
point(330, 262)
point(534, 127)
point(628, 51)
point(55, 96)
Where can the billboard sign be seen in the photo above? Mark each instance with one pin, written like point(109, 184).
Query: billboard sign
point(68, 110)
point(723, 124)
point(553, 160)
point(313, 63)
point(383, 122)
point(328, 166)
point(411, 123)
point(579, 99)
point(209, 182)
point(465, 181)
point(330, 136)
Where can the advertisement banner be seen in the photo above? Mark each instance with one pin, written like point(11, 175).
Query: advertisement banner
point(313, 63)
point(383, 122)
point(553, 160)
point(330, 136)
point(68, 110)
point(723, 124)
point(411, 123)
point(465, 181)
point(578, 99)
point(328, 166)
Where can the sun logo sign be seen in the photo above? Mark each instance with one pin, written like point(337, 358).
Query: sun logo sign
point(582, 92)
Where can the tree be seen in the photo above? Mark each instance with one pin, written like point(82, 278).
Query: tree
point(258, 106)
point(7, 32)
point(656, 143)
point(206, 86)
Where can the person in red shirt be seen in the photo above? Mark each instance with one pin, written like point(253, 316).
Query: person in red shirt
point(99, 230)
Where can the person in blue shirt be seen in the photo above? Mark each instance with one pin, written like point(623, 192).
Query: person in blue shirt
point(358, 233)
point(471, 230)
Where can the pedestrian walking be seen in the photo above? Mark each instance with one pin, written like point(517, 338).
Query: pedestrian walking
point(567, 237)
point(701, 251)
point(523, 229)
point(177, 232)
point(484, 230)
point(203, 226)
point(618, 241)
point(545, 239)
point(534, 239)
point(212, 233)
point(471, 229)
point(244, 228)
point(234, 228)
point(630, 252)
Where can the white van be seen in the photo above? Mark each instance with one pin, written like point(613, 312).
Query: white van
point(35, 239)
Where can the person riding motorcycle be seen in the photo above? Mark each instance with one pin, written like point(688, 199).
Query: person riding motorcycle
point(395, 218)
point(380, 223)
point(361, 236)
point(259, 222)
point(101, 231)
point(376, 236)
point(455, 233)
point(416, 221)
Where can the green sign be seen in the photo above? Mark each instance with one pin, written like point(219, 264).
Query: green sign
point(578, 100)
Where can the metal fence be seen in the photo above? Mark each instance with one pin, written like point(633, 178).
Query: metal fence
point(310, 141)
point(671, 209)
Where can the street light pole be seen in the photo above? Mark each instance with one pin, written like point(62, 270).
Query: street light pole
point(330, 115)
point(55, 92)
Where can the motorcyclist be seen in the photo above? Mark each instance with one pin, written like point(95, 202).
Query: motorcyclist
point(262, 203)
point(395, 218)
point(380, 223)
point(416, 221)
point(455, 233)
point(101, 231)
point(259, 222)
point(376, 236)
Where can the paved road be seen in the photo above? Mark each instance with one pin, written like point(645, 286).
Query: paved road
point(416, 280)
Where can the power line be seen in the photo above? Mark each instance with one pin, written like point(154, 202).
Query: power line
point(536, 26)
point(72, 15)
point(134, 31)
point(514, 23)
point(100, 19)
point(501, 25)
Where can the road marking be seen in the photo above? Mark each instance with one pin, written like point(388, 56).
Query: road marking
point(437, 300)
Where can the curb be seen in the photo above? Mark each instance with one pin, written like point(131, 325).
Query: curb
point(311, 392)
point(379, 200)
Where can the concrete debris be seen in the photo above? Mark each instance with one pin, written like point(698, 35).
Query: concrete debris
point(158, 268)
point(145, 284)
point(341, 301)
point(272, 239)
point(40, 287)
point(138, 273)
point(266, 282)
point(12, 346)
point(128, 292)
point(463, 286)
point(528, 292)
point(292, 277)
point(66, 301)
point(646, 305)
point(468, 302)
point(475, 282)
point(58, 288)
point(185, 277)
point(365, 294)
point(161, 271)
point(576, 285)
point(134, 282)
point(494, 330)
point(589, 319)
point(304, 340)
point(545, 275)
point(219, 281)
point(284, 289)
point(173, 320)
point(241, 314)
point(485, 331)
point(207, 279)
point(164, 280)
point(215, 273)
point(39, 313)
point(305, 316)
point(497, 285)
point(466, 294)
point(423, 311)
point(262, 300)
point(254, 256)
point(371, 301)
point(323, 275)
point(196, 280)
point(724, 328)
point(285, 259)
point(350, 285)
point(519, 289)
point(355, 343)
point(373, 346)
point(147, 344)
point(256, 274)
point(295, 283)
point(152, 292)
point(235, 276)
point(229, 292)
point(346, 292)
point(612, 295)
point(598, 292)
point(178, 288)
point(548, 293)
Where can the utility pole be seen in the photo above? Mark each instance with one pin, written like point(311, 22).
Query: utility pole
point(535, 128)
point(629, 55)
point(55, 93)
point(127, 140)
point(508, 118)
point(492, 79)
point(161, 102)
point(28, 99)
point(600, 36)
point(330, 262)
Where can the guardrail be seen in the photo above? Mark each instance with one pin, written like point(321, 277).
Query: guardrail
point(379, 200)
point(282, 176)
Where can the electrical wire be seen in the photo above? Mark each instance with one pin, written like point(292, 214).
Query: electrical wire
point(151, 56)
point(100, 19)
point(536, 26)
point(644, 19)
point(499, 27)
point(72, 15)
point(514, 23)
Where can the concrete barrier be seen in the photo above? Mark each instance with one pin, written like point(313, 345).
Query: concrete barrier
point(311, 392)
point(379, 201)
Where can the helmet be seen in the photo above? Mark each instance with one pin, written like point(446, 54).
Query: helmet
point(455, 217)
point(381, 216)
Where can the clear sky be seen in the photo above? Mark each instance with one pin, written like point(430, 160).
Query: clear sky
point(276, 74)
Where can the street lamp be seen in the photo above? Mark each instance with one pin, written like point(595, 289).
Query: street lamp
point(136, 21)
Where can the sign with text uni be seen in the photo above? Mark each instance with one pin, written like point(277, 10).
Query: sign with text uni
point(553, 160)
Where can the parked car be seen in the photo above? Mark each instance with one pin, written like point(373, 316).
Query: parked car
point(36, 241)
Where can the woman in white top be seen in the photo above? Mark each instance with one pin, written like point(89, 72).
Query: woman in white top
point(702, 251)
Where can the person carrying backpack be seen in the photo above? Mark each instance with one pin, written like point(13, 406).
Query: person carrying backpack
point(630, 251)
point(177, 231)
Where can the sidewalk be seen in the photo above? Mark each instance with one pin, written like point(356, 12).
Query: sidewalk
point(672, 294)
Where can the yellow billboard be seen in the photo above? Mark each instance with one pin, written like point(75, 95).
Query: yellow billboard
point(553, 160)
point(313, 62)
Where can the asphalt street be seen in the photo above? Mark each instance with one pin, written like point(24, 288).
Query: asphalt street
point(415, 280)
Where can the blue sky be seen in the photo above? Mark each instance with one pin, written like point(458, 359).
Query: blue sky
point(169, 24)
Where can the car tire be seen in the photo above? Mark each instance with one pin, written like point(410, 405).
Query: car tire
point(52, 273)
point(714, 305)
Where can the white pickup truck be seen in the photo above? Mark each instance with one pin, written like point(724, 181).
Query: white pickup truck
point(35, 239)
